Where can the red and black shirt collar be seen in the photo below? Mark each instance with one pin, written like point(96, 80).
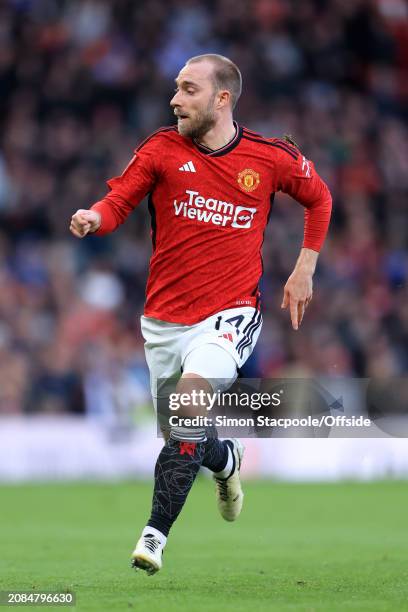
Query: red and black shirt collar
point(226, 148)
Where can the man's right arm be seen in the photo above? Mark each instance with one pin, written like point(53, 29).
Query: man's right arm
point(126, 192)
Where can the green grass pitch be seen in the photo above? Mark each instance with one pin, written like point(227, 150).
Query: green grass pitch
point(310, 547)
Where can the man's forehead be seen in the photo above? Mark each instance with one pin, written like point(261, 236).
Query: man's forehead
point(198, 73)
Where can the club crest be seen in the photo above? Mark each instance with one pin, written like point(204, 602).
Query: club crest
point(248, 179)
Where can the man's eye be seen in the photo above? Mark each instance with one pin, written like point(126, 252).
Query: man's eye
point(190, 91)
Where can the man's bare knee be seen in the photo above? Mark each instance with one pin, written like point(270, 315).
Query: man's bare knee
point(190, 382)
point(197, 387)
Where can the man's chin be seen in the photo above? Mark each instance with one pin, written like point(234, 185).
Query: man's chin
point(190, 131)
point(183, 127)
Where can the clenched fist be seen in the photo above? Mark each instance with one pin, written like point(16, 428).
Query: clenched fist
point(84, 222)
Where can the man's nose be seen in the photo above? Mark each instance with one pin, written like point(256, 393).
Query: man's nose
point(174, 101)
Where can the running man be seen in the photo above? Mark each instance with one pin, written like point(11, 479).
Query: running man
point(211, 183)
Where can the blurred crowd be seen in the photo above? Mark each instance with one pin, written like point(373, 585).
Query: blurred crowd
point(82, 82)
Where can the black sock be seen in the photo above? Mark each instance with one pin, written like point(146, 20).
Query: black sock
point(176, 469)
point(216, 454)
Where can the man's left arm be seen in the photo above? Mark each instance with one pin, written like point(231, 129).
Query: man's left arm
point(299, 179)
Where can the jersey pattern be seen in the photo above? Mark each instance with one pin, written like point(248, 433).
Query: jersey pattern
point(209, 210)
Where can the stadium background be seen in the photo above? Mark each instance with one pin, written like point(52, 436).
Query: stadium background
point(82, 83)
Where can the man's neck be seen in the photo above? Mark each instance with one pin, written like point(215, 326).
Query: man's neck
point(219, 136)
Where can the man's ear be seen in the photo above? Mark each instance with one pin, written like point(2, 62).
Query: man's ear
point(224, 98)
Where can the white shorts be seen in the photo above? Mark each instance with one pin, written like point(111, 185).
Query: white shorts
point(214, 348)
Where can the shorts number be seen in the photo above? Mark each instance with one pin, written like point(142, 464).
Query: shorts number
point(236, 321)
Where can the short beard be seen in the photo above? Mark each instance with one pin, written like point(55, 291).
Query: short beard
point(202, 124)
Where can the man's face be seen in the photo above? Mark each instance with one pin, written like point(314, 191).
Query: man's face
point(194, 100)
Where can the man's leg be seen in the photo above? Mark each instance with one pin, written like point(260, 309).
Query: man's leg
point(179, 461)
point(176, 469)
point(184, 453)
point(222, 457)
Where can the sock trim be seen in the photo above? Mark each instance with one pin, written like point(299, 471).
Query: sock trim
point(230, 462)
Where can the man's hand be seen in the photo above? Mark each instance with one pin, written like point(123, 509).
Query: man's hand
point(85, 222)
point(298, 290)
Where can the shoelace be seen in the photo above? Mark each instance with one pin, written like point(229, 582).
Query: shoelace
point(152, 543)
point(223, 489)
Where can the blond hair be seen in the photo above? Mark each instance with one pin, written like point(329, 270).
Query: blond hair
point(226, 74)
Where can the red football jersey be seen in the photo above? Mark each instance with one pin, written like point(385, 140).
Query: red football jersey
point(209, 211)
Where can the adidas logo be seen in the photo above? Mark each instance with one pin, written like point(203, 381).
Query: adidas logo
point(187, 167)
point(227, 336)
